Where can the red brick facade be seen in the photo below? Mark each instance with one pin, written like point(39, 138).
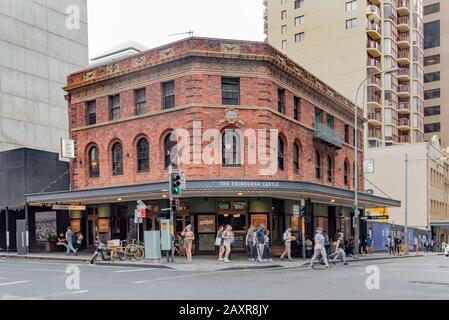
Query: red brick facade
point(197, 66)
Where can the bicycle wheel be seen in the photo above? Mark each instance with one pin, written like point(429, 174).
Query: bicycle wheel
point(139, 253)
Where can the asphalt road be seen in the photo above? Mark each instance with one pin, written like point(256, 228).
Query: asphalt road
point(412, 278)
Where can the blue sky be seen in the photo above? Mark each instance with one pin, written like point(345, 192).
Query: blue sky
point(150, 22)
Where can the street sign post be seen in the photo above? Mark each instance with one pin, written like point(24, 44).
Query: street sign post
point(296, 210)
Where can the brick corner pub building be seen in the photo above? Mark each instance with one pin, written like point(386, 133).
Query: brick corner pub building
point(123, 113)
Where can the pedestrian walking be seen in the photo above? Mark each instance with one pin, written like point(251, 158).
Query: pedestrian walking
point(327, 243)
point(251, 242)
point(427, 245)
point(260, 237)
point(340, 250)
point(287, 237)
point(369, 244)
point(69, 239)
point(309, 247)
point(267, 248)
point(432, 244)
point(319, 248)
point(228, 239)
point(219, 243)
point(79, 241)
point(390, 246)
point(189, 236)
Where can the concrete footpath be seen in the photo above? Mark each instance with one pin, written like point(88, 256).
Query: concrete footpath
point(200, 264)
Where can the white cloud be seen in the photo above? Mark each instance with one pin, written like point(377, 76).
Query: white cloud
point(150, 22)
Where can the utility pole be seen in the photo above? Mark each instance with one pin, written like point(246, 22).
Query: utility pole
point(406, 205)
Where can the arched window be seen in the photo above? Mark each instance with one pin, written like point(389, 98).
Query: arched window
point(330, 169)
point(231, 148)
point(117, 159)
point(347, 173)
point(143, 158)
point(295, 158)
point(170, 150)
point(280, 154)
point(94, 164)
point(317, 165)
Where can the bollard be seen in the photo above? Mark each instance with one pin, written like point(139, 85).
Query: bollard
point(417, 253)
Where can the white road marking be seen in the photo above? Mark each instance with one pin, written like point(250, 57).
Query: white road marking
point(12, 283)
point(134, 270)
point(78, 292)
point(437, 271)
point(396, 269)
point(51, 270)
point(166, 278)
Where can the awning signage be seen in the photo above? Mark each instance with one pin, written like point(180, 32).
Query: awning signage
point(68, 207)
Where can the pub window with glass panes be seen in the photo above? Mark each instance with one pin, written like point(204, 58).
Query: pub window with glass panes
point(168, 95)
point(114, 106)
point(143, 157)
point(230, 91)
point(141, 101)
point(117, 159)
point(91, 113)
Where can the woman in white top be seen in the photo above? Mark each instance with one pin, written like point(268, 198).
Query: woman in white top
point(228, 239)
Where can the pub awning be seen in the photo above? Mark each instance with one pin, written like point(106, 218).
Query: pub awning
point(213, 188)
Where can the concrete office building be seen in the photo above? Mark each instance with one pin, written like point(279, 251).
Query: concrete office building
point(37, 52)
point(41, 42)
point(428, 185)
point(343, 41)
point(436, 70)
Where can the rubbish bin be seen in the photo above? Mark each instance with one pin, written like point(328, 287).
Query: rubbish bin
point(152, 241)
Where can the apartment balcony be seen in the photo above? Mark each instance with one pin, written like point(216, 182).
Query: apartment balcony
point(403, 7)
point(374, 63)
point(375, 134)
point(374, 119)
point(403, 91)
point(403, 74)
point(327, 135)
point(404, 107)
point(373, 10)
point(376, 83)
point(403, 24)
point(404, 139)
point(374, 48)
point(265, 13)
point(375, 2)
point(374, 99)
point(403, 56)
point(391, 104)
point(373, 30)
point(404, 122)
point(403, 40)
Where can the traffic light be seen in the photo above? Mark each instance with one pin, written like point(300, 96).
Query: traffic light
point(175, 187)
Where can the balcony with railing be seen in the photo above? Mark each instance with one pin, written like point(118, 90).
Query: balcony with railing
point(375, 81)
point(374, 63)
point(374, 30)
point(374, 118)
point(404, 56)
point(373, 10)
point(404, 106)
point(374, 98)
point(403, 7)
point(403, 90)
point(403, 40)
point(327, 135)
point(374, 48)
point(404, 122)
point(375, 134)
point(404, 139)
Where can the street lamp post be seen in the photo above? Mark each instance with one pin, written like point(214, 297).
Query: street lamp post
point(356, 158)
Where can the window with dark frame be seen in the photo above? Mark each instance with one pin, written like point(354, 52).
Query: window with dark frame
point(231, 148)
point(432, 111)
point(91, 108)
point(94, 163)
point(143, 156)
point(432, 77)
point(330, 169)
point(432, 127)
point(431, 8)
point(432, 94)
point(230, 91)
point(170, 148)
point(281, 100)
point(168, 95)
point(281, 157)
point(299, 4)
point(299, 21)
point(432, 60)
point(295, 158)
point(347, 133)
point(296, 108)
point(117, 159)
point(347, 173)
point(351, 23)
point(432, 34)
point(299, 37)
point(114, 107)
point(317, 165)
point(141, 101)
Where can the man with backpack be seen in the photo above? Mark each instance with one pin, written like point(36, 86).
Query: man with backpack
point(287, 237)
point(260, 238)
